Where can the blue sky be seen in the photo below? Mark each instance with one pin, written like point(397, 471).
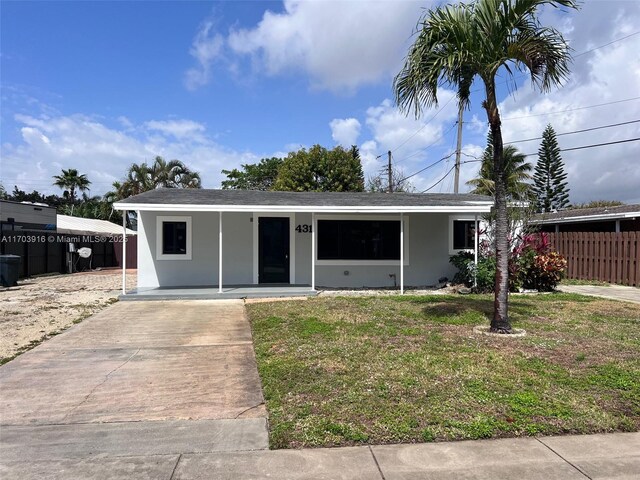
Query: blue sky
point(100, 85)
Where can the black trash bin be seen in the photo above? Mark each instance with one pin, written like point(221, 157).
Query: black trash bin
point(9, 270)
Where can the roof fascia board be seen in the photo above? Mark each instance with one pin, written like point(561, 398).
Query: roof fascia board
point(588, 218)
point(476, 208)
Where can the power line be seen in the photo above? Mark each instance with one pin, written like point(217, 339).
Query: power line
point(425, 125)
point(530, 154)
point(428, 166)
point(592, 146)
point(447, 174)
point(606, 44)
point(576, 131)
point(430, 145)
point(525, 75)
point(573, 109)
point(438, 182)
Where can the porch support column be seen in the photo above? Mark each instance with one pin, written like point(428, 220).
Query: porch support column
point(220, 253)
point(475, 250)
point(124, 252)
point(313, 251)
point(402, 254)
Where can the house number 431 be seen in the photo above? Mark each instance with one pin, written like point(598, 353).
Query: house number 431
point(303, 229)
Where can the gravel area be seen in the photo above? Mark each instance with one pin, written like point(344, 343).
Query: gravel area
point(38, 308)
point(373, 292)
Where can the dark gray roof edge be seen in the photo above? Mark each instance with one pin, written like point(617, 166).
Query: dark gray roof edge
point(257, 197)
point(585, 214)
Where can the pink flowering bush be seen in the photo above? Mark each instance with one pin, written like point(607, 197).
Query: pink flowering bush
point(532, 266)
point(536, 267)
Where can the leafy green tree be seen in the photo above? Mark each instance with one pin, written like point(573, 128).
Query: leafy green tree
point(36, 197)
point(70, 181)
point(516, 170)
point(550, 180)
point(93, 207)
point(3, 193)
point(461, 42)
point(255, 176)
point(321, 170)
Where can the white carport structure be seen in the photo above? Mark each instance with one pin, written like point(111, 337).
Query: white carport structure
point(69, 225)
point(239, 245)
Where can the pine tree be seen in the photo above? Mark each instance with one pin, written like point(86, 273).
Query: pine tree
point(550, 181)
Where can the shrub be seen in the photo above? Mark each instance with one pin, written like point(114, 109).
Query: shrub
point(546, 272)
point(532, 265)
point(536, 266)
point(463, 261)
point(485, 273)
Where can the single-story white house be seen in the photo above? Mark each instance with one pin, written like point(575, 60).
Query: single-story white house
point(202, 238)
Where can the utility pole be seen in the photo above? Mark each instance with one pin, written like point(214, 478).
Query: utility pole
point(458, 150)
point(390, 172)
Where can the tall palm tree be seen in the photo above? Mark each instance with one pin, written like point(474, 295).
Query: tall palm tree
point(173, 174)
point(456, 44)
point(69, 181)
point(160, 174)
point(516, 169)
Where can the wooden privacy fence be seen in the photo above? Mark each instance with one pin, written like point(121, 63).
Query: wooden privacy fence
point(603, 256)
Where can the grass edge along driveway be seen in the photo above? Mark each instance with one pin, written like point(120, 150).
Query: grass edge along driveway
point(375, 370)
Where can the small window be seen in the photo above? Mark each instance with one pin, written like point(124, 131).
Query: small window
point(358, 240)
point(463, 234)
point(174, 238)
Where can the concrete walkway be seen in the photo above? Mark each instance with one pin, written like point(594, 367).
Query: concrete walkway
point(137, 454)
point(613, 292)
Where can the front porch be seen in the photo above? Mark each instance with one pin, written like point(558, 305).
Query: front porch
point(213, 293)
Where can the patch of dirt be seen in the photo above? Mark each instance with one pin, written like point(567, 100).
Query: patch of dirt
point(38, 308)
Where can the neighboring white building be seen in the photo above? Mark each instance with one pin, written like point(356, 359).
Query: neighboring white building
point(318, 239)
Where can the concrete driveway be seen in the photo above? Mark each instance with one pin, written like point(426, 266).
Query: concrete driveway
point(612, 292)
point(139, 378)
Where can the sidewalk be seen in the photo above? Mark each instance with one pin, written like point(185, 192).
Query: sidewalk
point(606, 456)
point(613, 292)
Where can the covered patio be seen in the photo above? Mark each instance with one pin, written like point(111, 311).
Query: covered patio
point(248, 244)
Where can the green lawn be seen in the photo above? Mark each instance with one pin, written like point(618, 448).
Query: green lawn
point(346, 371)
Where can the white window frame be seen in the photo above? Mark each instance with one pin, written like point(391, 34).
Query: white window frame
point(292, 243)
point(395, 218)
point(160, 219)
point(453, 251)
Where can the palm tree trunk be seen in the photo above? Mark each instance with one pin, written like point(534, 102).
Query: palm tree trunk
point(500, 322)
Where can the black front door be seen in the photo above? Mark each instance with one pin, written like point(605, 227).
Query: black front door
point(273, 250)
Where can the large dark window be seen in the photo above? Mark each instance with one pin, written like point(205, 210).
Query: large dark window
point(463, 232)
point(358, 240)
point(174, 238)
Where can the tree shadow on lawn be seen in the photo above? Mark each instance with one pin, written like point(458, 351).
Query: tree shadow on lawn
point(467, 309)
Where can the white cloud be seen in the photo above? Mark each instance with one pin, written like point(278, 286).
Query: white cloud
point(180, 129)
point(104, 152)
point(605, 75)
point(345, 131)
point(206, 48)
point(340, 45)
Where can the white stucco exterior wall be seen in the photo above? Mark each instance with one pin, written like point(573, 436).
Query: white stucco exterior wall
point(427, 240)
